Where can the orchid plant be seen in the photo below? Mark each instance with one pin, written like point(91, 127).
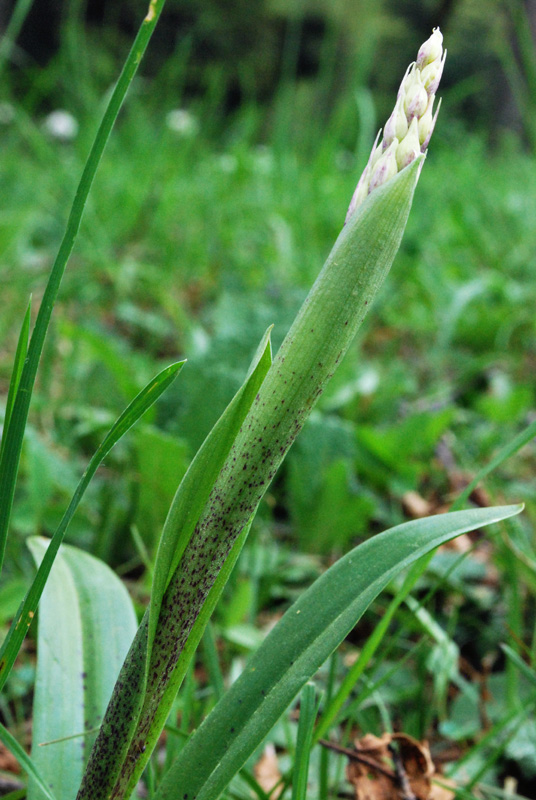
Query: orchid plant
point(103, 737)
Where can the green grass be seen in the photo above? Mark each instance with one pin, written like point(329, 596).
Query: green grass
point(191, 246)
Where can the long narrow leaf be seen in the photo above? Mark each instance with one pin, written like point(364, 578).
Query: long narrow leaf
point(20, 355)
point(127, 701)
point(126, 420)
point(13, 443)
point(308, 711)
point(11, 744)
point(515, 658)
point(335, 704)
point(504, 453)
point(197, 484)
point(298, 645)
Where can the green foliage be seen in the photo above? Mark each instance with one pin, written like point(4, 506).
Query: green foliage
point(297, 647)
point(83, 655)
point(143, 401)
point(194, 241)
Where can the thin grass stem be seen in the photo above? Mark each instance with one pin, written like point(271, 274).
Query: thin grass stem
point(308, 710)
point(13, 445)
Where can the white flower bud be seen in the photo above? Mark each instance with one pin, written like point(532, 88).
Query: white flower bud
point(425, 121)
point(416, 98)
point(428, 134)
point(410, 126)
point(61, 125)
point(181, 121)
point(431, 50)
point(386, 168)
point(377, 151)
point(360, 193)
point(396, 125)
point(431, 75)
point(407, 81)
point(410, 146)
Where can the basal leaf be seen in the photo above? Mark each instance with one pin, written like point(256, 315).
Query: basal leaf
point(148, 395)
point(197, 484)
point(195, 487)
point(308, 633)
point(86, 624)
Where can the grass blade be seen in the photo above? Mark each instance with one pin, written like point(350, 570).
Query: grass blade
point(13, 443)
point(504, 453)
point(20, 355)
point(212, 662)
point(310, 630)
point(509, 723)
point(25, 761)
point(308, 710)
point(498, 750)
point(127, 419)
point(528, 672)
point(371, 645)
point(13, 28)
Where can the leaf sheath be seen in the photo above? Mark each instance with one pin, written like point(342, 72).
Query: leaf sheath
point(312, 350)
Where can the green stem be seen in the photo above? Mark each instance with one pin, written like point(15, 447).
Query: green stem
point(13, 445)
point(312, 350)
point(16, 21)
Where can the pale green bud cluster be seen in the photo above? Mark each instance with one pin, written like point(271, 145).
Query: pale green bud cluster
point(408, 130)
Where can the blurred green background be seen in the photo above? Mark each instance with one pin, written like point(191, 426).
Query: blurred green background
point(221, 191)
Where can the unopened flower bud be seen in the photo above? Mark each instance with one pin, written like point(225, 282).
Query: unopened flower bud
point(396, 125)
point(362, 187)
point(431, 75)
point(386, 167)
point(431, 50)
point(360, 193)
point(427, 130)
point(416, 99)
point(407, 81)
point(377, 151)
point(425, 121)
point(410, 146)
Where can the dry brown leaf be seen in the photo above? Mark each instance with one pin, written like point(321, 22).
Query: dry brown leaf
point(369, 783)
point(417, 763)
point(458, 480)
point(416, 506)
point(480, 497)
point(267, 773)
point(440, 792)
point(8, 762)
point(378, 773)
point(461, 544)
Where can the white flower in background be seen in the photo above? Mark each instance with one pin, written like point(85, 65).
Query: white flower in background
point(263, 160)
point(61, 125)
point(408, 130)
point(181, 121)
point(228, 163)
point(7, 113)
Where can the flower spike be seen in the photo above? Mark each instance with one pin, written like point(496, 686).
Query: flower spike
point(410, 126)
